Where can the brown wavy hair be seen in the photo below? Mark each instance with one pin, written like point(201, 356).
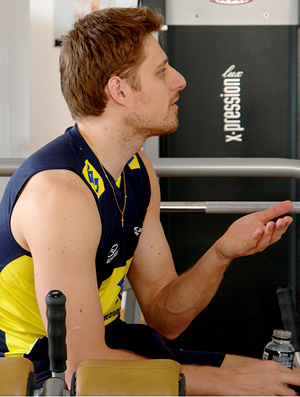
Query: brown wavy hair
point(102, 44)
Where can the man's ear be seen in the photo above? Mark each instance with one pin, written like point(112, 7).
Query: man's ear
point(116, 88)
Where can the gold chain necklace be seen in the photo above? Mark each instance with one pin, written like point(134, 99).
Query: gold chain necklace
point(114, 193)
point(122, 212)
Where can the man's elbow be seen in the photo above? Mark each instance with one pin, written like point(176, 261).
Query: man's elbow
point(168, 331)
point(171, 335)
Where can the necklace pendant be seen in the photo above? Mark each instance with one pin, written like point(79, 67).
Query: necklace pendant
point(114, 193)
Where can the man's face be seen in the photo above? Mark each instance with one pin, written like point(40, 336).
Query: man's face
point(154, 111)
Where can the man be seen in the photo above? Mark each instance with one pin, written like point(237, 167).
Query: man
point(82, 213)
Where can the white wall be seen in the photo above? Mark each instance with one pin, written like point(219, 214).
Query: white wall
point(14, 80)
point(49, 114)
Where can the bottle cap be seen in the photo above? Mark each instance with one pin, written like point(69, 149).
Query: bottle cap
point(282, 334)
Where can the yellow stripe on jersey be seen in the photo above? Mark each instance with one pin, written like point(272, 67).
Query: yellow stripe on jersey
point(93, 178)
point(118, 181)
point(19, 312)
point(134, 163)
point(111, 291)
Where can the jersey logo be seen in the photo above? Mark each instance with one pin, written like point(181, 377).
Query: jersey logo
point(137, 231)
point(112, 253)
point(120, 284)
point(93, 178)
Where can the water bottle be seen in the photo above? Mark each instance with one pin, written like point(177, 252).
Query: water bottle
point(280, 348)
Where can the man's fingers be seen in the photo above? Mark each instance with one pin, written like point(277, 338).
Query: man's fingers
point(272, 232)
point(270, 227)
point(291, 379)
point(280, 228)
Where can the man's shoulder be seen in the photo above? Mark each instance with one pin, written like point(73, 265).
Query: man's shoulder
point(55, 161)
point(56, 182)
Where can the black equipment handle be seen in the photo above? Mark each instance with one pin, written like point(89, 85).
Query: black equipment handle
point(56, 315)
point(288, 313)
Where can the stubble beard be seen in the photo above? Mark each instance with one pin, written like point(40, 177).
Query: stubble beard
point(145, 127)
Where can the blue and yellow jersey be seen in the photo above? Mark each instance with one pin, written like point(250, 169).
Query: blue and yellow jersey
point(21, 326)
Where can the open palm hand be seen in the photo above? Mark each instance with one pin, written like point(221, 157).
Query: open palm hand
point(255, 232)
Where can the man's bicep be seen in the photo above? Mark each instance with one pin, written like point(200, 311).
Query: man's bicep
point(62, 233)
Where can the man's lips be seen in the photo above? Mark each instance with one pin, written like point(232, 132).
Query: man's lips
point(173, 103)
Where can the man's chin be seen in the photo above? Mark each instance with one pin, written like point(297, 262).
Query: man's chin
point(166, 131)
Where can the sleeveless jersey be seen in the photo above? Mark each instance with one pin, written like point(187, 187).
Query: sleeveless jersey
point(21, 325)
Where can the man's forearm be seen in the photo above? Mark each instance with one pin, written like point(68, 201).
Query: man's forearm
point(180, 301)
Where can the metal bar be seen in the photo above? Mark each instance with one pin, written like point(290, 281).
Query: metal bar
point(221, 207)
point(9, 165)
point(183, 206)
point(208, 167)
point(227, 167)
point(204, 167)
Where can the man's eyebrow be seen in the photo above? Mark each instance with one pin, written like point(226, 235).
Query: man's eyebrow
point(164, 62)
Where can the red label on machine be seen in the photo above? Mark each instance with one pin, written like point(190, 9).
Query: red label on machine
point(231, 2)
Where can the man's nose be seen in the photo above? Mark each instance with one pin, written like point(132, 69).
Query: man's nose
point(179, 81)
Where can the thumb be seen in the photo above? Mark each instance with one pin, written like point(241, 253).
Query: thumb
point(275, 211)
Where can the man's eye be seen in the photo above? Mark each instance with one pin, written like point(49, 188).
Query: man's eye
point(163, 71)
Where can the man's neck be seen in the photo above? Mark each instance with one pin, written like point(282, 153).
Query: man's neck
point(112, 145)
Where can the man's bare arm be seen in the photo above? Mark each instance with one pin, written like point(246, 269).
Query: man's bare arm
point(57, 220)
point(170, 302)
